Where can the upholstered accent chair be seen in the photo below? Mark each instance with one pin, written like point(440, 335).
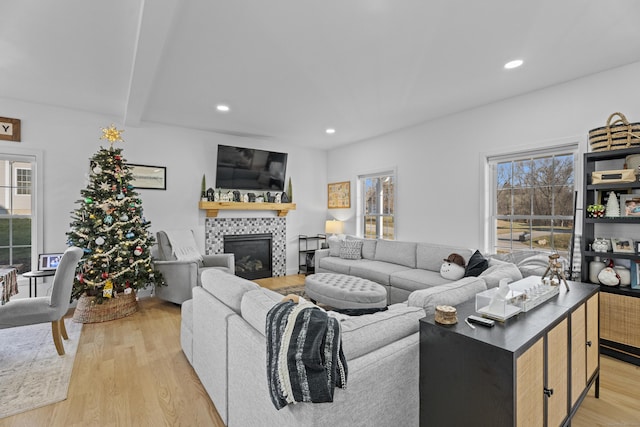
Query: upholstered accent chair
point(29, 311)
point(175, 255)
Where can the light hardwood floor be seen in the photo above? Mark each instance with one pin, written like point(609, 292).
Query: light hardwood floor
point(132, 372)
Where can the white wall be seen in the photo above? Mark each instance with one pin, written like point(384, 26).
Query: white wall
point(439, 176)
point(69, 138)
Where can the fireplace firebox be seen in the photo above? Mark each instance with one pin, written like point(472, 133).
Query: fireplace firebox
point(253, 254)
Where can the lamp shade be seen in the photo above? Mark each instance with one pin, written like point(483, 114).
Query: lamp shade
point(333, 227)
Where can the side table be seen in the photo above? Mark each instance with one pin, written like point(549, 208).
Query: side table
point(33, 275)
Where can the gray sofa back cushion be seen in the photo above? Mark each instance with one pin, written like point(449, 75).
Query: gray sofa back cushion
point(255, 306)
point(226, 287)
point(402, 253)
point(368, 247)
point(431, 256)
point(364, 334)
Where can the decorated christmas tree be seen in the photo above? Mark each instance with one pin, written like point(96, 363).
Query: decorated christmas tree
point(109, 225)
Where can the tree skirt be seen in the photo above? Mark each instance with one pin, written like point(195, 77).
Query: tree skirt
point(87, 311)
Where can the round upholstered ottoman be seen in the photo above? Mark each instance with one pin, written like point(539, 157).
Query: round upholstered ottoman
point(342, 291)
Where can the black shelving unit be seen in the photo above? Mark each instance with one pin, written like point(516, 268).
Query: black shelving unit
point(307, 247)
point(619, 306)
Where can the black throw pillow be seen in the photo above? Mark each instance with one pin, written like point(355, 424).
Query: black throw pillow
point(476, 265)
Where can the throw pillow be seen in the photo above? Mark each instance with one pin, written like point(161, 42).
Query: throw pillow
point(334, 246)
point(477, 264)
point(351, 249)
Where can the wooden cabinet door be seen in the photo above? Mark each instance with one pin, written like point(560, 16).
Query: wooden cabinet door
point(529, 386)
point(557, 372)
point(578, 353)
point(592, 336)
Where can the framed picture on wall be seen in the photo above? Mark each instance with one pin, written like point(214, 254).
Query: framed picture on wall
point(149, 177)
point(339, 194)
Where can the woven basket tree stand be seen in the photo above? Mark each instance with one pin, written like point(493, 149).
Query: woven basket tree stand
point(88, 311)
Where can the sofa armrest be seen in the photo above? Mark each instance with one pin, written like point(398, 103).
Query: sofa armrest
point(220, 260)
point(452, 293)
point(319, 254)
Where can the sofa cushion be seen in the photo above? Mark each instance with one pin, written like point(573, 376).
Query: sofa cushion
point(499, 270)
point(228, 288)
point(351, 249)
point(414, 279)
point(452, 293)
point(429, 256)
point(334, 246)
point(368, 247)
point(476, 265)
point(339, 265)
point(402, 253)
point(363, 334)
point(377, 271)
point(255, 306)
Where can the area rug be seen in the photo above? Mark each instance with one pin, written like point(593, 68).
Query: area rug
point(296, 290)
point(31, 372)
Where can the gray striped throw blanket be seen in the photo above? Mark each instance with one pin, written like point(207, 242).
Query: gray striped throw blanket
point(304, 354)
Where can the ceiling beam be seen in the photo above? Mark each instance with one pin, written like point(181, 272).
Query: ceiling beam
point(154, 28)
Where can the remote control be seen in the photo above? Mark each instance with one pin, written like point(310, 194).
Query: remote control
point(481, 321)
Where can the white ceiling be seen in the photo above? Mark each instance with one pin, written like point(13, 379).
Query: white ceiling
point(291, 68)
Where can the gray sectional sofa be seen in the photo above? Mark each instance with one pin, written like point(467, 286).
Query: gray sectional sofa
point(404, 267)
point(223, 336)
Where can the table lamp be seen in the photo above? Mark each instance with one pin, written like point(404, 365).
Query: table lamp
point(333, 227)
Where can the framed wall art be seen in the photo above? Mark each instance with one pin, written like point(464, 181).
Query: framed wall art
point(9, 129)
point(339, 194)
point(149, 177)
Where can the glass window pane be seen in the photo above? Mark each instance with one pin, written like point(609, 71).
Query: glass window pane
point(503, 234)
point(504, 202)
point(522, 202)
point(370, 226)
point(21, 231)
point(4, 230)
point(521, 173)
point(542, 200)
point(4, 256)
point(388, 227)
point(371, 196)
point(387, 195)
point(563, 200)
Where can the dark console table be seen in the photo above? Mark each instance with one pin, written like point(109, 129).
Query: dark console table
point(532, 370)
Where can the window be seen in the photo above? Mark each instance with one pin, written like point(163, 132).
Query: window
point(378, 205)
point(23, 181)
point(533, 200)
point(16, 228)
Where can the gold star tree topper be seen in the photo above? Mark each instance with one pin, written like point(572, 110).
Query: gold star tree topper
point(112, 134)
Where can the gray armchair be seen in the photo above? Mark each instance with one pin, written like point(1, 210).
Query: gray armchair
point(181, 276)
point(29, 311)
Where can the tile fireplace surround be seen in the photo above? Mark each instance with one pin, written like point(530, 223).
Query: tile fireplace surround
point(216, 228)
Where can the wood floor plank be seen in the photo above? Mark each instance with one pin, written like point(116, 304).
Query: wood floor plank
point(132, 372)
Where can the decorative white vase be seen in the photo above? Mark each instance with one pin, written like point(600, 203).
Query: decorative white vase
point(595, 267)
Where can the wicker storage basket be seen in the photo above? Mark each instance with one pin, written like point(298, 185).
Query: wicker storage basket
point(617, 134)
point(87, 311)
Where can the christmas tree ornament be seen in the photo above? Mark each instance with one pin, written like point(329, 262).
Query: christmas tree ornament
point(124, 217)
point(112, 134)
point(108, 219)
point(104, 275)
point(107, 291)
point(137, 251)
point(120, 196)
point(129, 235)
point(88, 200)
point(99, 240)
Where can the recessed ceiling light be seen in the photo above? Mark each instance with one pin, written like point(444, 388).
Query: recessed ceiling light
point(330, 131)
point(222, 108)
point(513, 64)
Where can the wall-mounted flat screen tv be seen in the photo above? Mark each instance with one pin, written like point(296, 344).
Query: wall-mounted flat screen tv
point(241, 168)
